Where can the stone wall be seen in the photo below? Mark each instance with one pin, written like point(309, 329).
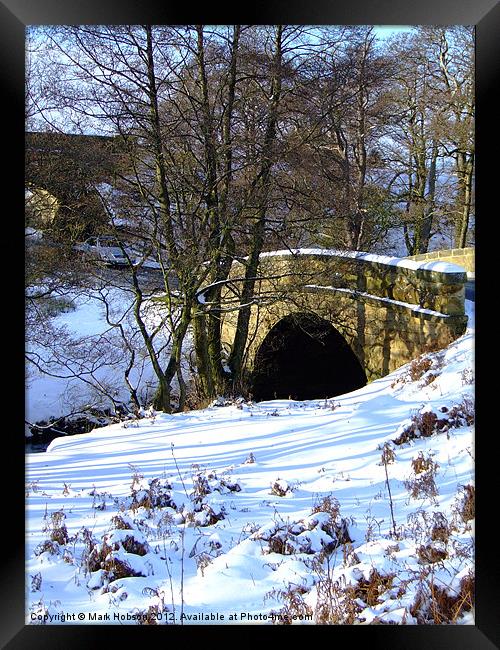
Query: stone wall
point(464, 257)
point(389, 310)
point(41, 207)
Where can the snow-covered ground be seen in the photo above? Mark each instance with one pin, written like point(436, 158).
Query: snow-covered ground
point(358, 509)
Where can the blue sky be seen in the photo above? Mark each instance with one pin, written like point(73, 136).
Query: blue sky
point(384, 31)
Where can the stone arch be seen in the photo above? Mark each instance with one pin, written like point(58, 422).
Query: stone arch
point(41, 206)
point(388, 310)
point(77, 212)
point(303, 356)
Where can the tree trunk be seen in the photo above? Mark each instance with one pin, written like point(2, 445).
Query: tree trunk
point(257, 241)
point(162, 397)
point(465, 172)
point(428, 216)
point(207, 330)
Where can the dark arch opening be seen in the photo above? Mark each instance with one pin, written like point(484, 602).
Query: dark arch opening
point(305, 357)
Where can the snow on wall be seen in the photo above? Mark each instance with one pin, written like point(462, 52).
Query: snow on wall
point(414, 265)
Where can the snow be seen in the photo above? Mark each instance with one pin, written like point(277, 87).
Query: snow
point(231, 507)
point(442, 267)
point(33, 235)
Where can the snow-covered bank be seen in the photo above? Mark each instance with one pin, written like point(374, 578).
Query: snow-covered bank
point(239, 513)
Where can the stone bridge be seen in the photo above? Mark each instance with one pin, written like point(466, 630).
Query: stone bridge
point(62, 170)
point(327, 322)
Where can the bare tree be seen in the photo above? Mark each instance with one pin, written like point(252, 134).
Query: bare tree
point(433, 94)
point(453, 52)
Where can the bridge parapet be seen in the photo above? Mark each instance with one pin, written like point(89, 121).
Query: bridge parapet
point(434, 285)
point(463, 257)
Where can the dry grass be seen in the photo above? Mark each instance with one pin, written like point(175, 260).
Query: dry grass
point(423, 483)
point(119, 523)
point(427, 423)
point(203, 560)
point(419, 367)
point(36, 582)
point(102, 557)
point(462, 414)
point(441, 529)
point(132, 545)
point(421, 464)
point(47, 546)
point(432, 552)
point(335, 603)
point(156, 495)
point(294, 605)
point(466, 503)
point(201, 488)
point(280, 488)
point(328, 504)
point(422, 425)
point(434, 604)
point(149, 616)
point(56, 528)
point(370, 591)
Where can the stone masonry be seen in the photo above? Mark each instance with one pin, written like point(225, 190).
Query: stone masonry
point(389, 310)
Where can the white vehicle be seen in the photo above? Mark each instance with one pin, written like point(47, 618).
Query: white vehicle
point(107, 249)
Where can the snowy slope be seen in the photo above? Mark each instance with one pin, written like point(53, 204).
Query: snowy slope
point(250, 512)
